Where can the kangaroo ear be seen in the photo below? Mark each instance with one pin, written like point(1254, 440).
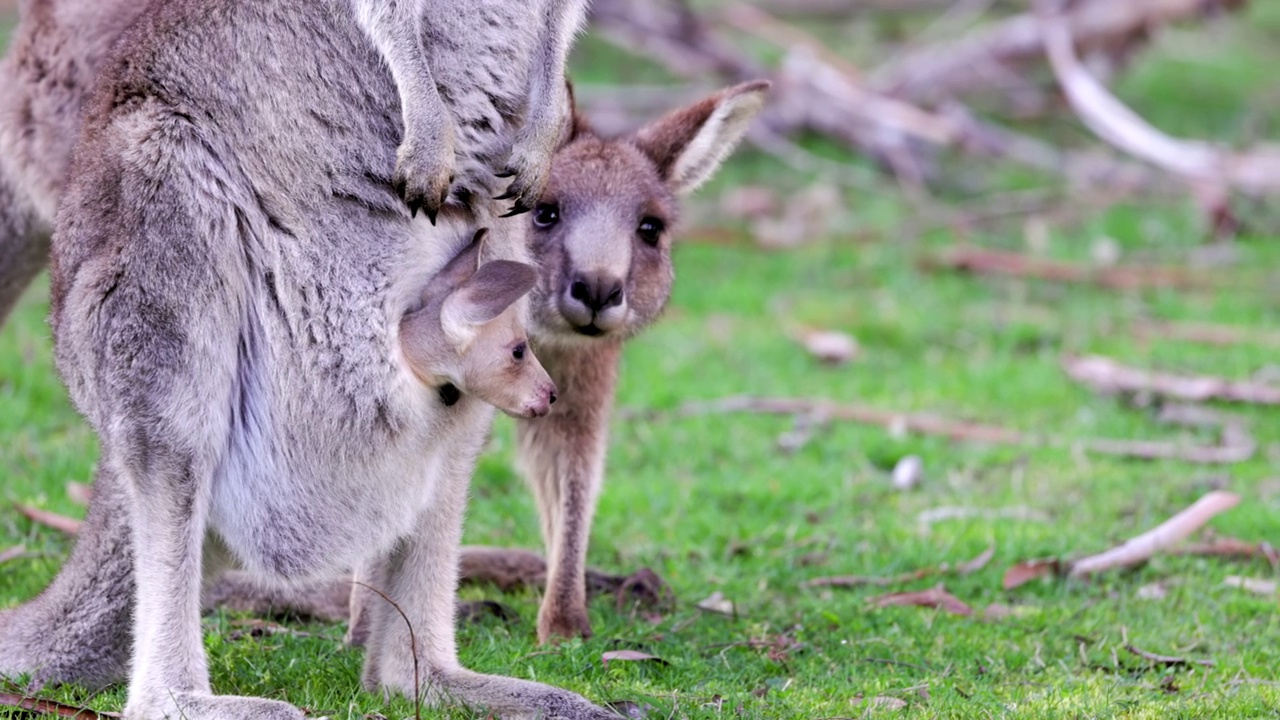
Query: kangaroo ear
point(484, 296)
point(461, 267)
point(578, 125)
point(689, 144)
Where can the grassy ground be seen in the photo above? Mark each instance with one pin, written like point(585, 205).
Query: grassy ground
point(712, 505)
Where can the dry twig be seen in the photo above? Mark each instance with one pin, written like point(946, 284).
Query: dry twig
point(815, 92)
point(39, 706)
point(1010, 264)
point(61, 523)
point(1166, 659)
point(1172, 531)
point(1256, 171)
point(1206, 333)
point(1106, 375)
point(998, 56)
point(1237, 445)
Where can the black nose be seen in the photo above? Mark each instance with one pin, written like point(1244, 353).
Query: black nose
point(597, 292)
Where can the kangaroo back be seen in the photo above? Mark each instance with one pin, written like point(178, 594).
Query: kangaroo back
point(54, 54)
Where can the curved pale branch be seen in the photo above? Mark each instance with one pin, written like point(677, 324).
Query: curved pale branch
point(1256, 171)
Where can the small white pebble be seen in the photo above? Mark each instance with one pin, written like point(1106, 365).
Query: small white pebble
point(908, 472)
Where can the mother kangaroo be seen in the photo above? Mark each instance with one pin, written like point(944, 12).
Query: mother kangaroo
point(230, 272)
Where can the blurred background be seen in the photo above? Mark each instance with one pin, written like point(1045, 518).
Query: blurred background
point(991, 287)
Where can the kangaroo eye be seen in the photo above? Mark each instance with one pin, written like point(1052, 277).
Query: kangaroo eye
point(518, 352)
point(544, 216)
point(650, 230)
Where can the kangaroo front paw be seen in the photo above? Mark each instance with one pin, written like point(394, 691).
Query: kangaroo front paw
point(529, 165)
point(424, 174)
point(199, 706)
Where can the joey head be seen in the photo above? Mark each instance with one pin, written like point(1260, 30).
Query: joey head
point(468, 336)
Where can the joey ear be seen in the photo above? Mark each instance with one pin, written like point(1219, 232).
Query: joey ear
point(486, 295)
point(458, 270)
point(689, 144)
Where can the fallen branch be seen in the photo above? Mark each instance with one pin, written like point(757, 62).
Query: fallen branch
point(1206, 333)
point(13, 553)
point(511, 568)
point(61, 523)
point(1231, 548)
point(997, 56)
point(814, 92)
point(1254, 585)
point(1011, 264)
point(1237, 445)
point(848, 581)
point(39, 706)
point(1172, 531)
point(1106, 375)
point(1256, 171)
point(905, 422)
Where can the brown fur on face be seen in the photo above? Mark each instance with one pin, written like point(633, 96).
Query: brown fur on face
point(602, 230)
point(606, 222)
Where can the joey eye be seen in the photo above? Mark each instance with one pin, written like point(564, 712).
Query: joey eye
point(650, 230)
point(546, 215)
point(518, 351)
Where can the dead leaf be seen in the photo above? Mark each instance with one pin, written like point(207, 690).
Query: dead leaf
point(61, 523)
point(977, 563)
point(1253, 585)
point(935, 597)
point(830, 346)
point(79, 492)
point(717, 603)
point(908, 472)
point(629, 656)
point(1028, 570)
point(50, 707)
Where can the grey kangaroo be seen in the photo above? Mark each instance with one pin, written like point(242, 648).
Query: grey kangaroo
point(236, 301)
point(668, 157)
point(433, 49)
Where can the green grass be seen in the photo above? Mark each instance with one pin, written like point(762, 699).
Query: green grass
point(711, 504)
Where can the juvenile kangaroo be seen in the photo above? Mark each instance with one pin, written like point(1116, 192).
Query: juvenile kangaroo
point(602, 233)
point(443, 47)
point(236, 299)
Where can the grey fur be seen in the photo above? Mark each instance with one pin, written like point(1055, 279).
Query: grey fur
point(561, 459)
point(444, 55)
point(230, 272)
